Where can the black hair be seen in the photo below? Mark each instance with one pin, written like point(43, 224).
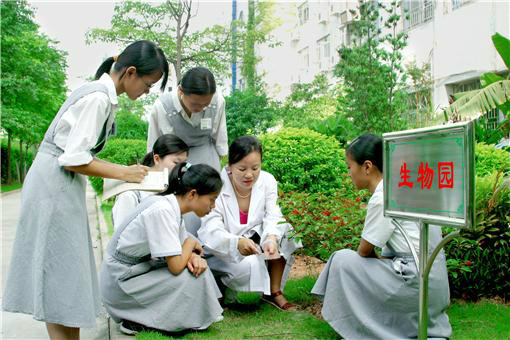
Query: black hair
point(201, 177)
point(142, 54)
point(165, 145)
point(198, 80)
point(367, 147)
point(242, 147)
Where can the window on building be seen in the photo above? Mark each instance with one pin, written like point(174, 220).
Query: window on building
point(304, 56)
point(459, 3)
point(323, 52)
point(304, 13)
point(346, 35)
point(416, 12)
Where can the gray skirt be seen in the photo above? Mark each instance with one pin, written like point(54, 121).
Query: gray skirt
point(52, 272)
point(368, 298)
point(147, 293)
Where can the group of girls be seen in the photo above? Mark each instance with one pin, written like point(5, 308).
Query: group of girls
point(175, 255)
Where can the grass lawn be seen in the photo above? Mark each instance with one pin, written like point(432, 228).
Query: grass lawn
point(10, 187)
point(106, 207)
point(257, 320)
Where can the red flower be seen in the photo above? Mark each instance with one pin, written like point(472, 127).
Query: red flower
point(358, 199)
point(468, 263)
point(335, 218)
point(295, 212)
point(326, 212)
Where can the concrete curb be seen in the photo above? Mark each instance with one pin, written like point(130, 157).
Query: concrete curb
point(11, 192)
point(113, 328)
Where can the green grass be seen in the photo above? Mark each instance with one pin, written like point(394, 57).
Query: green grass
point(10, 187)
point(257, 320)
point(106, 207)
point(480, 321)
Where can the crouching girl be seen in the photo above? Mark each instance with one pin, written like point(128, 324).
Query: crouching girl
point(153, 275)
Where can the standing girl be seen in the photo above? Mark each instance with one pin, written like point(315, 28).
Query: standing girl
point(144, 282)
point(367, 296)
point(52, 274)
point(195, 113)
point(166, 153)
point(246, 221)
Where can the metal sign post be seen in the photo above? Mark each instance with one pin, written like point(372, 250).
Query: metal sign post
point(429, 178)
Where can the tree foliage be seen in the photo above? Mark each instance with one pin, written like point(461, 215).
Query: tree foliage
point(371, 70)
point(33, 74)
point(167, 24)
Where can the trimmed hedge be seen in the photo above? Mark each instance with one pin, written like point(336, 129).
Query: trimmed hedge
point(489, 159)
point(120, 151)
point(304, 160)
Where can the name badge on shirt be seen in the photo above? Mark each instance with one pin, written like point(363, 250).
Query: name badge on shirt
point(205, 124)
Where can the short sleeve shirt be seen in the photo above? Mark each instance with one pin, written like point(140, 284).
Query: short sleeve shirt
point(379, 230)
point(158, 231)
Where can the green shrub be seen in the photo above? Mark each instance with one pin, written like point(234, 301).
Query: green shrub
point(478, 262)
point(489, 159)
point(304, 160)
point(120, 151)
point(325, 223)
point(28, 158)
point(248, 113)
point(130, 126)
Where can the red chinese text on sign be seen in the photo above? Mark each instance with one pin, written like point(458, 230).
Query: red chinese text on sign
point(425, 175)
point(404, 176)
point(445, 174)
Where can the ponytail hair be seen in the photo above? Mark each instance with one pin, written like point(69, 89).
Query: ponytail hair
point(367, 147)
point(185, 177)
point(199, 81)
point(142, 54)
point(165, 145)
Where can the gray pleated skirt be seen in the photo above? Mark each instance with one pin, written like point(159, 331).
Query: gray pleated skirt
point(368, 298)
point(147, 293)
point(52, 272)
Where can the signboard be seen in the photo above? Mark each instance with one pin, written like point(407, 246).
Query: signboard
point(429, 174)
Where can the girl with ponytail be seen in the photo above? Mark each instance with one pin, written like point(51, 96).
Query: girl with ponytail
point(168, 151)
point(142, 293)
point(52, 274)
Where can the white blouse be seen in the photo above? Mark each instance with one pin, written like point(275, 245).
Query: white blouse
point(222, 228)
point(158, 125)
point(78, 130)
point(158, 231)
point(379, 230)
point(126, 203)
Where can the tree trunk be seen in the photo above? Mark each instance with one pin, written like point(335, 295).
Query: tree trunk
point(178, 50)
point(9, 174)
point(21, 161)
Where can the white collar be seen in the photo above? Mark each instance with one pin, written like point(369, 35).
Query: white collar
point(379, 187)
point(106, 80)
point(176, 101)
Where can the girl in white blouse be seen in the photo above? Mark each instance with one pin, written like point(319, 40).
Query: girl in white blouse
point(153, 276)
point(168, 150)
point(52, 274)
point(372, 296)
point(246, 232)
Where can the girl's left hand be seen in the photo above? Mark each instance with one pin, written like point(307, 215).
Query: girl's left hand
point(197, 265)
point(198, 249)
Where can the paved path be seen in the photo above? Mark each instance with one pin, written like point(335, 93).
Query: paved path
point(22, 327)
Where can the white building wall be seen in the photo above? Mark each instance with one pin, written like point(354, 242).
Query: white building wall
point(457, 43)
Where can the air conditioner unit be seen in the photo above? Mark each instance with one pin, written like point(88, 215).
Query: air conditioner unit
point(323, 17)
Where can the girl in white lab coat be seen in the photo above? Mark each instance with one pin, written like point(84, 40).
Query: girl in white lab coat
point(53, 273)
point(168, 150)
point(246, 232)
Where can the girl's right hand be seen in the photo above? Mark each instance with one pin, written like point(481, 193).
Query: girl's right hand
point(247, 247)
point(135, 173)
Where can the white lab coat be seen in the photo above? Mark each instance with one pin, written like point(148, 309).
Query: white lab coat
point(221, 230)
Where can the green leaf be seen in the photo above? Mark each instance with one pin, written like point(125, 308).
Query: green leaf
point(488, 78)
point(502, 45)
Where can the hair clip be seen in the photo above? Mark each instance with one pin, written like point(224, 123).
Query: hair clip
point(187, 166)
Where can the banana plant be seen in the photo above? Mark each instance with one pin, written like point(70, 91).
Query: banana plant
point(495, 91)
